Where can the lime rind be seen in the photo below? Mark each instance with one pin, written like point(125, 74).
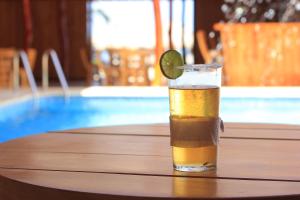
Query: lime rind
point(169, 63)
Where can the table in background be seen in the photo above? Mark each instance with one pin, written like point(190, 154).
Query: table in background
point(134, 162)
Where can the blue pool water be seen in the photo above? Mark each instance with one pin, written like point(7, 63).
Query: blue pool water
point(54, 113)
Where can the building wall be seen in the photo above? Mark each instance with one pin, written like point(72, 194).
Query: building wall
point(47, 31)
point(207, 13)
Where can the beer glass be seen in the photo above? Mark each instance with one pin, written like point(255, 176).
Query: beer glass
point(194, 117)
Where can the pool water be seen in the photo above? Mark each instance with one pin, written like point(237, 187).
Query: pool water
point(55, 113)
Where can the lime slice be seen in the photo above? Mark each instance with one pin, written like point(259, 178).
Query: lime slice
point(169, 61)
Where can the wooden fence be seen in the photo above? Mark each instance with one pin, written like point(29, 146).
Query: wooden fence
point(261, 54)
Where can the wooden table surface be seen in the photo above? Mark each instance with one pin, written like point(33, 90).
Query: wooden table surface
point(256, 161)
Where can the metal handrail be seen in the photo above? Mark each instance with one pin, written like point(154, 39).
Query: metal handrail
point(21, 55)
point(58, 68)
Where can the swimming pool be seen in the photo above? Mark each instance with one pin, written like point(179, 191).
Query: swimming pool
point(55, 113)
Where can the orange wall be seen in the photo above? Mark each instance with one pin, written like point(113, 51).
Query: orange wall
point(261, 54)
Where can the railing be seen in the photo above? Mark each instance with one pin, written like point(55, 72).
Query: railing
point(45, 71)
point(21, 55)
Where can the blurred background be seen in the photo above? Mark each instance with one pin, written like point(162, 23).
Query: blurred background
point(75, 63)
point(103, 42)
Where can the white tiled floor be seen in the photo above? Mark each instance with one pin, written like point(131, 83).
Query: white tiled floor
point(9, 96)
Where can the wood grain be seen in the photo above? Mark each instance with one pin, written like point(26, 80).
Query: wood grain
point(78, 185)
point(134, 162)
point(269, 131)
point(149, 155)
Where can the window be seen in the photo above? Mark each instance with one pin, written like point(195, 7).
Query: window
point(130, 24)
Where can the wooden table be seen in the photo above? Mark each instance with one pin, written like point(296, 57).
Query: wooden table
point(256, 161)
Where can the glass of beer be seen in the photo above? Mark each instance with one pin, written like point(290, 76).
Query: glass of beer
point(194, 117)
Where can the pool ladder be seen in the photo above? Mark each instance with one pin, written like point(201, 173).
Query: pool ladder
point(21, 55)
point(45, 71)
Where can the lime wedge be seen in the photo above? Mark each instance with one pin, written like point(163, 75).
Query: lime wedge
point(169, 61)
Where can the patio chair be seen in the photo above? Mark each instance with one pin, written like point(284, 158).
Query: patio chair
point(6, 56)
point(92, 69)
point(32, 54)
point(132, 65)
point(209, 55)
point(112, 65)
point(6, 67)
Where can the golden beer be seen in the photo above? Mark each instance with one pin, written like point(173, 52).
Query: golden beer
point(194, 115)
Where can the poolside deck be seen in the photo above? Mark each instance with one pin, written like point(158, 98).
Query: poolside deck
point(8, 96)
